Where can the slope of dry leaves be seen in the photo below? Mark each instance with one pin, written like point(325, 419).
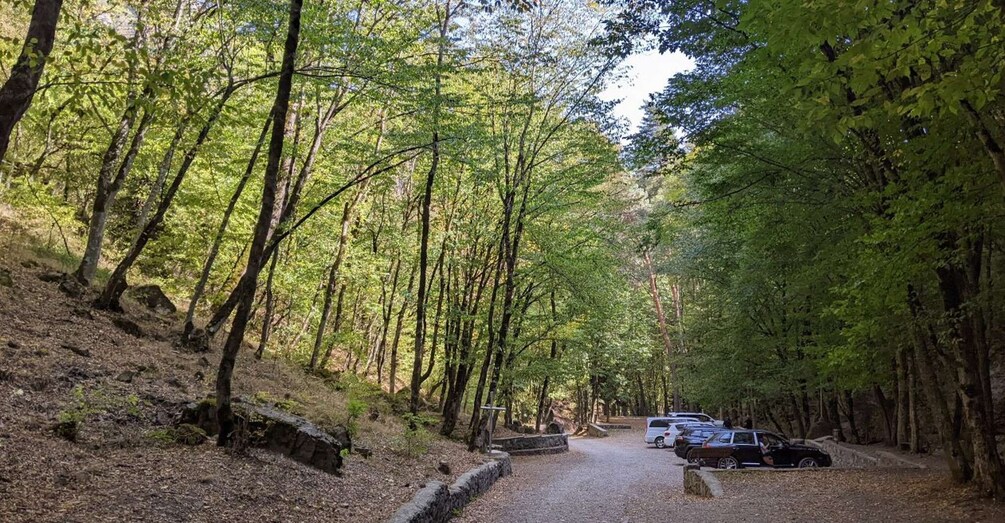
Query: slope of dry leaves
point(58, 356)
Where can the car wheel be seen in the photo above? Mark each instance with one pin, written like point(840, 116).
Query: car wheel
point(808, 463)
point(660, 443)
point(729, 462)
point(692, 456)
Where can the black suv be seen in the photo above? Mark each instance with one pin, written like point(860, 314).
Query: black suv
point(691, 437)
point(731, 449)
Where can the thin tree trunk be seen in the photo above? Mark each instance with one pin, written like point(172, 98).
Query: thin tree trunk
point(225, 414)
point(654, 294)
point(107, 188)
point(19, 89)
point(162, 172)
point(333, 273)
point(214, 249)
point(903, 402)
point(884, 408)
point(393, 369)
point(486, 361)
point(116, 284)
point(270, 309)
point(914, 445)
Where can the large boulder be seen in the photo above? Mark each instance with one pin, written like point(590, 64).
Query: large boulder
point(153, 298)
point(554, 427)
point(270, 428)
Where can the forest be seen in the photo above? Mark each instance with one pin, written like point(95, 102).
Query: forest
point(432, 196)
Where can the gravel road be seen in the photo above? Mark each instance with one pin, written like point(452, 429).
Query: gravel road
point(618, 478)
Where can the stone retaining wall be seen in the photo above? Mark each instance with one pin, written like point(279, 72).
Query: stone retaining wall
point(528, 445)
point(701, 482)
point(436, 502)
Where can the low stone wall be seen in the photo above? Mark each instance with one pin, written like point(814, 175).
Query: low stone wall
point(437, 502)
point(529, 445)
point(614, 426)
point(596, 431)
point(701, 482)
point(845, 457)
point(848, 457)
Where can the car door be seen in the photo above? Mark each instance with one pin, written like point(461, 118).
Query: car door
point(777, 448)
point(656, 429)
point(747, 452)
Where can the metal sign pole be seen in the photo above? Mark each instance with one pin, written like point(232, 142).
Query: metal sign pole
point(492, 425)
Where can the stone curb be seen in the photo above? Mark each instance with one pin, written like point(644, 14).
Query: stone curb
point(596, 431)
point(523, 445)
point(701, 482)
point(540, 451)
point(613, 426)
point(436, 502)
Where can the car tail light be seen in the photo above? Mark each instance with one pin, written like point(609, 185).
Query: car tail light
point(667, 433)
point(705, 445)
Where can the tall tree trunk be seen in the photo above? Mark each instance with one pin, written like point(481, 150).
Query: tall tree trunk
point(654, 294)
point(914, 445)
point(959, 289)
point(19, 89)
point(903, 403)
point(386, 316)
point(884, 408)
point(832, 408)
point(393, 369)
point(486, 361)
point(552, 357)
point(427, 195)
point(235, 338)
point(849, 414)
point(107, 188)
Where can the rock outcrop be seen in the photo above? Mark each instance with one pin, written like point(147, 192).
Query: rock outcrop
point(275, 430)
point(153, 298)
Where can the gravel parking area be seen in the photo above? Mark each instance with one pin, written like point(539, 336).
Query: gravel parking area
point(620, 479)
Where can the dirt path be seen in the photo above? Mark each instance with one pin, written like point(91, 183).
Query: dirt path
point(617, 478)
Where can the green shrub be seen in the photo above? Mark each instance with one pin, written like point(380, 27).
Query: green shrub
point(355, 409)
point(164, 435)
point(414, 441)
point(85, 403)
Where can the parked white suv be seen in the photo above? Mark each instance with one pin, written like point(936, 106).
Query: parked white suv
point(655, 428)
point(700, 416)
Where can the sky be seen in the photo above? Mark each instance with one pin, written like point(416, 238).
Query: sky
point(644, 74)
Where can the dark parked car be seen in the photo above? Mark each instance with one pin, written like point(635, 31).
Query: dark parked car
point(731, 449)
point(693, 437)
